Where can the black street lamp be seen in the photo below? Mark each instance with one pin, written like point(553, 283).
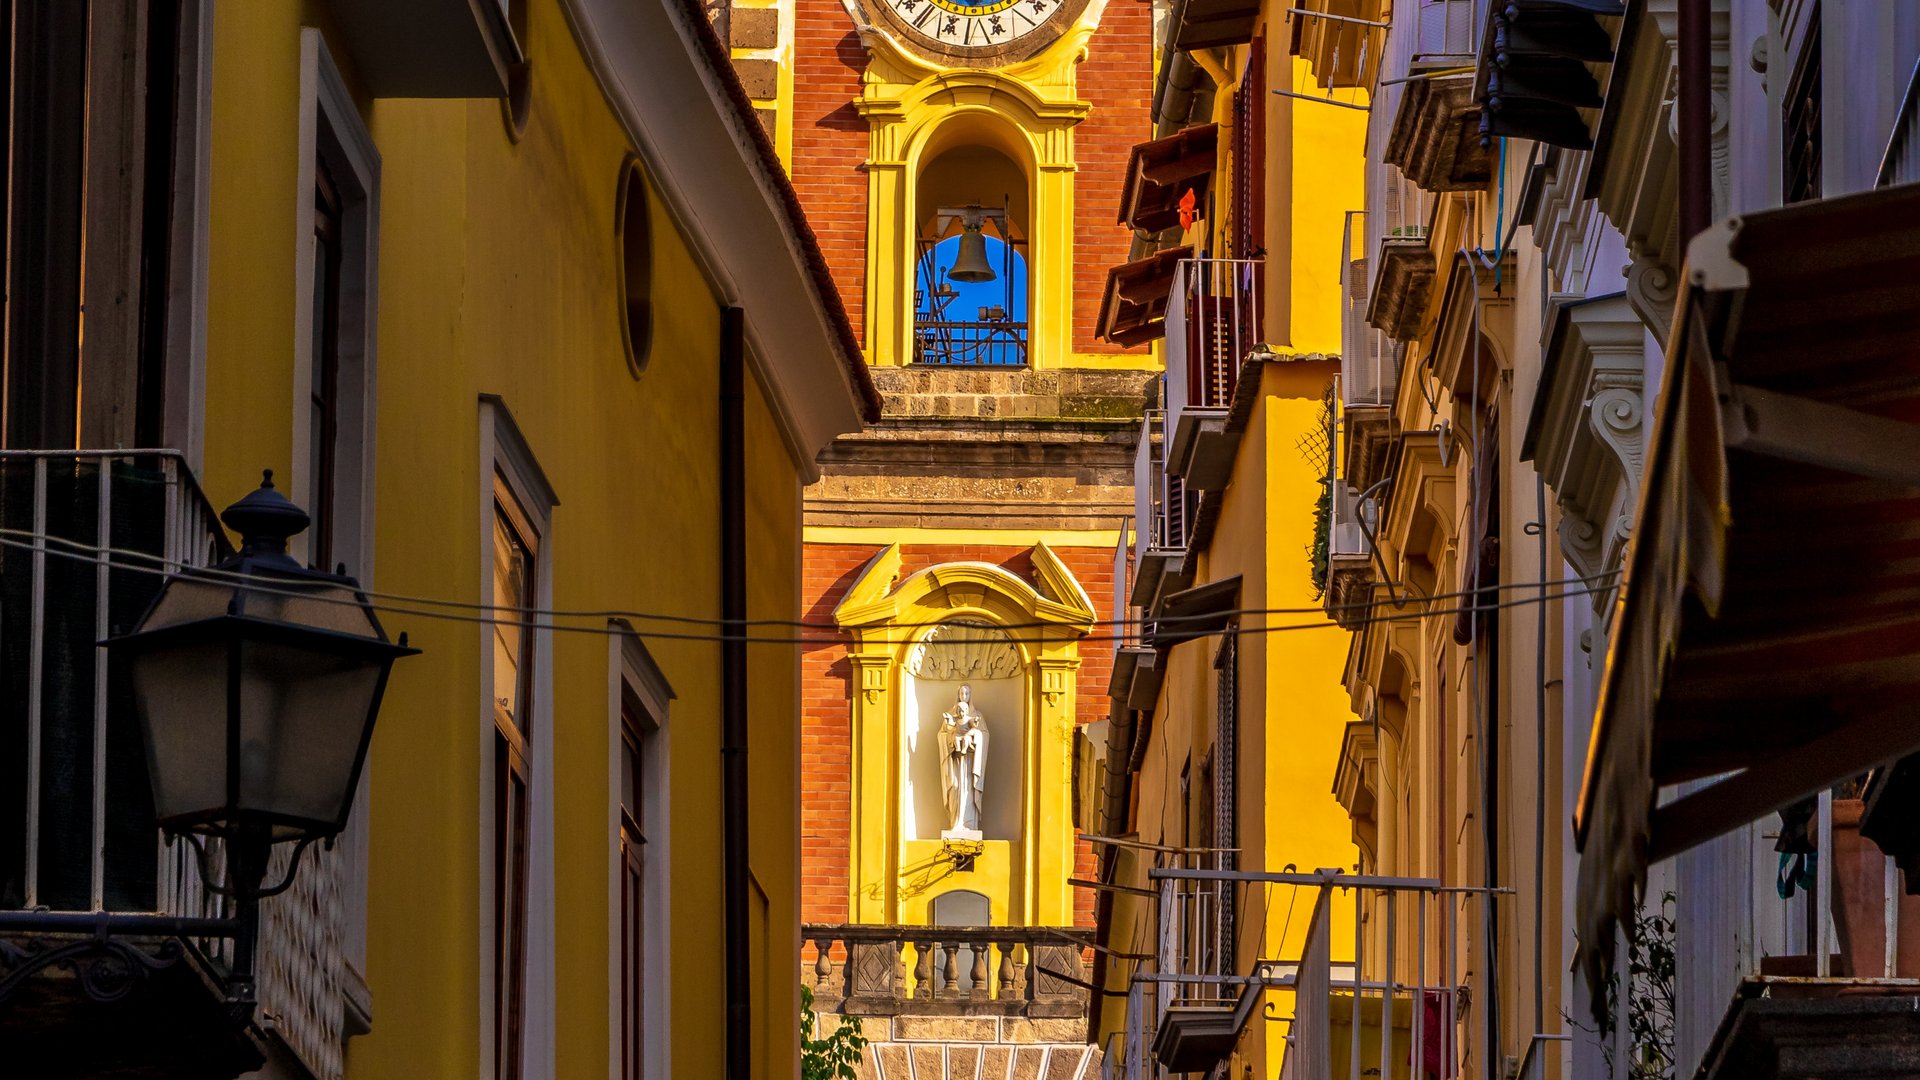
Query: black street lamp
point(257, 683)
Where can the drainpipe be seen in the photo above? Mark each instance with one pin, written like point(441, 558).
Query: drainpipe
point(1116, 791)
point(733, 690)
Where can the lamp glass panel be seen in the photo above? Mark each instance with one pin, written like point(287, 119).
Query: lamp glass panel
point(182, 694)
point(323, 607)
point(303, 714)
point(188, 599)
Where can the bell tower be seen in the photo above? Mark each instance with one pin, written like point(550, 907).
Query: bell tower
point(961, 161)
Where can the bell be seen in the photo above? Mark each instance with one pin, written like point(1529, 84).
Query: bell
point(971, 265)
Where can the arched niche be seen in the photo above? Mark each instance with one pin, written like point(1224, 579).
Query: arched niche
point(983, 658)
point(915, 639)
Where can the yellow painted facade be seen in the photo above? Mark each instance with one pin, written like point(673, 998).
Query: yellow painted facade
point(499, 276)
point(1288, 711)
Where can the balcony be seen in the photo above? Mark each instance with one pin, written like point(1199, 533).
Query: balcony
point(1366, 1005)
point(1435, 136)
point(1349, 556)
point(87, 536)
point(1213, 325)
point(1135, 663)
point(1008, 971)
point(1165, 509)
point(1369, 362)
point(1343, 41)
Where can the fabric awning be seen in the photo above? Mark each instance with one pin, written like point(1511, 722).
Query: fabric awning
point(1161, 173)
point(1133, 310)
point(1766, 631)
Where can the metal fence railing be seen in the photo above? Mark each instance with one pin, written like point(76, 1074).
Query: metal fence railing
point(86, 538)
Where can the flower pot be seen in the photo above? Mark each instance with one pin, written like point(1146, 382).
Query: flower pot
point(1859, 908)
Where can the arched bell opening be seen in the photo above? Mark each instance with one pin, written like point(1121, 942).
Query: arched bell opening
point(971, 287)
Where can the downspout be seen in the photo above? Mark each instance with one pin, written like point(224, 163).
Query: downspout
point(1117, 795)
point(733, 690)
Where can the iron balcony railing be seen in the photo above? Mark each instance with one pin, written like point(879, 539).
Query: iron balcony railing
point(1446, 33)
point(1213, 323)
point(1369, 362)
point(1379, 983)
point(1163, 507)
point(86, 538)
point(978, 343)
point(1126, 617)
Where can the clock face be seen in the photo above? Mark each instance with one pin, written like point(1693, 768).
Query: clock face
point(980, 31)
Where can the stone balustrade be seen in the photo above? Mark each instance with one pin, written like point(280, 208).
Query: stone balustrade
point(1010, 971)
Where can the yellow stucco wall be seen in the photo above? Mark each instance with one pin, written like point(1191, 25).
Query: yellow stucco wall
point(498, 274)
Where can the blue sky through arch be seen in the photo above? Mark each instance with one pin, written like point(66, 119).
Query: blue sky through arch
point(972, 296)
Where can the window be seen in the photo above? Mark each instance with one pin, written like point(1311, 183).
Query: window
point(633, 903)
point(324, 417)
point(637, 712)
point(635, 233)
point(514, 564)
point(338, 227)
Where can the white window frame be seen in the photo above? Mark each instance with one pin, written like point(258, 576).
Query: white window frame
point(631, 668)
point(504, 452)
point(184, 419)
point(332, 132)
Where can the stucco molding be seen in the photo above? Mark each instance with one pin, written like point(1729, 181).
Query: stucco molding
point(1587, 434)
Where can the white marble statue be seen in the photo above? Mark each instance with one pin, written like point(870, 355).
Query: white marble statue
point(963, 766)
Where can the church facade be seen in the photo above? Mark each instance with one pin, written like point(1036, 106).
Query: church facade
point(961, 165)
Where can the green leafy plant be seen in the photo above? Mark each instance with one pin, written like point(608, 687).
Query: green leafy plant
point(1650, 1002)
point(834, 1055)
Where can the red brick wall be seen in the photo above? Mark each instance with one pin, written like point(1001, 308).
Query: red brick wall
point(830, 144)
point(826, 704)
point(1117, 78)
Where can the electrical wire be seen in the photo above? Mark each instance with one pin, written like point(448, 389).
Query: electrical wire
point(836, 638)
point(89, 553)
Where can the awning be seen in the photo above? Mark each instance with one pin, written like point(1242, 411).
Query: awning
point(1767, 627)
point(1207, 24)
point(1161, 173)
point(1196, 612)
point(1133, 310)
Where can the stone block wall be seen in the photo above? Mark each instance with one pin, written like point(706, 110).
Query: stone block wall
point(975, 1048)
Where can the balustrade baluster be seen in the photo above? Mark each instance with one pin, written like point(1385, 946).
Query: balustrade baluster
point(952, 986)
point(979, 990)
point(823, 967)
point(923, 970)
point(1006, 971)
point(1021, 983)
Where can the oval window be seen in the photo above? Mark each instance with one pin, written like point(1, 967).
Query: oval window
point(635, 231)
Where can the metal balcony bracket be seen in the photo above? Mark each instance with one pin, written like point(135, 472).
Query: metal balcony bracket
point(117, 954)
point(1816, 433)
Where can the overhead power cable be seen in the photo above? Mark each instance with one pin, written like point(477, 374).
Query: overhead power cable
point(83, 551)
point(827, 636)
